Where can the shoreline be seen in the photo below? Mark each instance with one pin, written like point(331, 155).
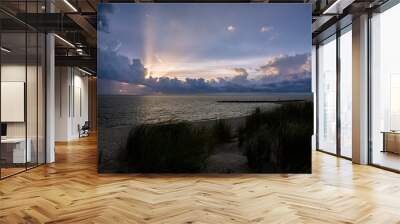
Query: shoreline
point(259, 101)
point(208, 122)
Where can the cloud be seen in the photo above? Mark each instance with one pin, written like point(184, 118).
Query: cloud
point(113, 66)
point(158, 58)
point(300, 85)
point(241, 71)
point(287, 65)
point(264, 29)
point(174, 85)
point(273, 36)
point(102, 21)
point(270, 71)
point(241, 78)
point(283, 73)
point(231, 28)
point(113, 87)
point(287, 72)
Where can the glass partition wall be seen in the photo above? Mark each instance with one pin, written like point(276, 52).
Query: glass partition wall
point(334, 87)
point(22, 98)
point(345, 91)
point(385, 89)
point(13, 89)
point(327, 95)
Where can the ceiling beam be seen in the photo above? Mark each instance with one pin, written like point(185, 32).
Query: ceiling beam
point(81, 61)
point(86, 27)
point(337, 7)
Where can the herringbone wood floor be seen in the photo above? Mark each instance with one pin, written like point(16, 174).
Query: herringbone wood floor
point(71, 191)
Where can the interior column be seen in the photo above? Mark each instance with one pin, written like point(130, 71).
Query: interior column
point(50, 92)
point(360, 90)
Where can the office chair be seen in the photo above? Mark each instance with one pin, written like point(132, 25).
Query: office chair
point(84, 130)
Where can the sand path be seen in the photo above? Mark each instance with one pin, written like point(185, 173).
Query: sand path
point(227, 158)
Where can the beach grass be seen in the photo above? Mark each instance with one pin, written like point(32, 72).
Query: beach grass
point(222, 131)
point(279, 140)
point(275, 141)
point(168, 148)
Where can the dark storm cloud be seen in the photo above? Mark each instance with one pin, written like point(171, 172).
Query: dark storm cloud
point(291, 74)
point(287, 73)
point(299, 85)
point(173, 85)
point(117, 67)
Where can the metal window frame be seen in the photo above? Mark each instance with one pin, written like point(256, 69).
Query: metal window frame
point(387, 5)
point(44, 74)
point(338, 33)
point(381, 9)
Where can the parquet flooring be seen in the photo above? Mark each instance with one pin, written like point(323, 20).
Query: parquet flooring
point(71, 191)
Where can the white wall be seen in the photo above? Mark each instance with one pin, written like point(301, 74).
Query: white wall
point(12, 73)
point(62, 82)
point(71, 102)
point(13, 101)
point(33, 126)
point(80, 111)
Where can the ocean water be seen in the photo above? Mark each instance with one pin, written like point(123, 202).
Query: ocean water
point(115, 111)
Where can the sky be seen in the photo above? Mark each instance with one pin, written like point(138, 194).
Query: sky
point(204, 48)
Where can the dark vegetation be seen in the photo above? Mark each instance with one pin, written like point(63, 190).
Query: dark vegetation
point(222, 132)
point(279, 140)
point(168, 148)
point(173, 147)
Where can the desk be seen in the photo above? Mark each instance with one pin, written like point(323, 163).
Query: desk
point(391, 141)
point(15, 148)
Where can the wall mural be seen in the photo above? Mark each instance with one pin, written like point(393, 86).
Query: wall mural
point(204, 88)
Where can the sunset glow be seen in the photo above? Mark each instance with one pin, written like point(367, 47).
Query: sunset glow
point(233, 47)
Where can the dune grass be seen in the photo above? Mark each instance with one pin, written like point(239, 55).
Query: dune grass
point(222, 131)
point(168, 148)
point(273, 141)
point(279, 140)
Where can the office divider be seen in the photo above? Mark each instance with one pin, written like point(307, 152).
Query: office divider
point(22, 79)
